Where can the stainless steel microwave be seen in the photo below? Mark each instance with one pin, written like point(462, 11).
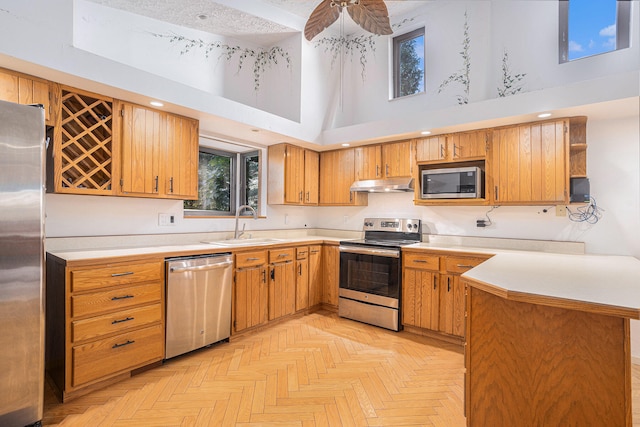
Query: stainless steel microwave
point(451, 183)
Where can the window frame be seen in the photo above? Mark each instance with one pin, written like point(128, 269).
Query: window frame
point(623, 28)
point(395, 66)
point(242, 183)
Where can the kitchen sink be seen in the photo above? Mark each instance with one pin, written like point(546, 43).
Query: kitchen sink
point(245, 242)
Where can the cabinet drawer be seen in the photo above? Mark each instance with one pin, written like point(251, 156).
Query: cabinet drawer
point(108, 324)
point(106, 301)
point(103, 358)
point(302, 253)
point(251, 259)
point(422, 262)
point(461, 264)
point(113, 275)
point(281, 255)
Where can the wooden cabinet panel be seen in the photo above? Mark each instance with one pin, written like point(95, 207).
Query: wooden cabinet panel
point(120, 353)
point(420, 298)
point(432, 148)
point(330, 274)
point(337, 173)
point(368, 162)
point(451, 305)
point(114, 299)
point(421, 261)
point(282, 290)
point(311, 177)
point(181, 158)
point(87, 279)
point(530, 164)
point(293, 175)
point(281, 255)
point(24, 89)
point(398, 159)
point(468, 145)
point(302, 284)
point(96, 327)
point(315, 275)
point(251, 259)
point(143, 138)
point(251, 301)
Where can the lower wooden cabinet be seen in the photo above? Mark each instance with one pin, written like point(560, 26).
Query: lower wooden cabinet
point(330, 275)
point(432, 296)
point(104, 319)
point(251, 290)
point(282, 283)
point(302, 278)
point(315, 275)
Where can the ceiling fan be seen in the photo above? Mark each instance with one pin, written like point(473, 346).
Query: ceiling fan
point(371, 15)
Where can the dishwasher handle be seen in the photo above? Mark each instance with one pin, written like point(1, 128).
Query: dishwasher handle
point(201, 267)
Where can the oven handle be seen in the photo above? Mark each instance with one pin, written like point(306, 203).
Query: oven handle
point(389, 253)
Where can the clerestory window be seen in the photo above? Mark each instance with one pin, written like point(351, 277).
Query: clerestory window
point(408, 63)
point(589, 28)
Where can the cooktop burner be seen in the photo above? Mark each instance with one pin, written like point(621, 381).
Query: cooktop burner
point(389, 232)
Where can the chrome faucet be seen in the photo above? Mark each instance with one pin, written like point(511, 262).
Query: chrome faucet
point(237, 233)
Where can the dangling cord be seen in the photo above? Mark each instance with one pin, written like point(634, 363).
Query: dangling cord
point(341, 59)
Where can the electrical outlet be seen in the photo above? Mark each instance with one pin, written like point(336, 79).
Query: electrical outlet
point(561, 210)
point(346, 219)
point(165, 220)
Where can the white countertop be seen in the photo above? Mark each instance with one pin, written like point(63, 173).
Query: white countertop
point(592, 279)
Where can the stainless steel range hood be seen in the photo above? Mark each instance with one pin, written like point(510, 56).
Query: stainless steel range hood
point(389, 185)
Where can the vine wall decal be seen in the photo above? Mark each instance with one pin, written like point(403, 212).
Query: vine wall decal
point(262, 58)
point(511, 83)
point(462, 76)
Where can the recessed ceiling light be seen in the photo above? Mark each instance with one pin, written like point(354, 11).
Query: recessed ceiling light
point(255, 130)
point(346, 144)
point(544, 115)
point(426, 132)
point(157, 104)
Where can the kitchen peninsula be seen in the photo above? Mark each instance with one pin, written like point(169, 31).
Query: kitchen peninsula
point(547, 340)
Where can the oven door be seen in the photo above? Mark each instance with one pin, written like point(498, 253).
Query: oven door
point(370, 274)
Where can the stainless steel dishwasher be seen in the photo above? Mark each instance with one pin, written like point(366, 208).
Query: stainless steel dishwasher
point(198, 302)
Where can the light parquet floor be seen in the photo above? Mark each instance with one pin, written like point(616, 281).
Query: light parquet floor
point(313, 370)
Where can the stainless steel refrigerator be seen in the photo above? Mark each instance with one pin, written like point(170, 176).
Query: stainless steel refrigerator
point(22, 139)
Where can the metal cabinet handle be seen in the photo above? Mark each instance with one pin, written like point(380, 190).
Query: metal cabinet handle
point(115, 322)
point(496, 192)
point(464, 266)
point(441, 151)
point(386, 169)
point(315, 252)
point(252, 259)
point(264, 275)
point(300, 270)
point(123, 344)
point(283, 255)
point(377, 171)
point(454, 151)
point(273, 274)
point(300, 196)
point(128, 273)
point(308, 196)
point(155, 190)
point(448, 284)
point(434, 282)
point(122, 297)
point(421, 261)
point(171, 185)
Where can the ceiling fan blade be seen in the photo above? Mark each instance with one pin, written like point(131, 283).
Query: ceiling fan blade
point(321, 17)
point(371, 15)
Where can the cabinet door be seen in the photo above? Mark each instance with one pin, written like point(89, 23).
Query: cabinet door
point(467, 145)
point(21, 89)
point(311, 177)
point(181, 158)
point(398, 159)
point(315, 275)
point(431, 149)
point(330, 274)
point(282, 290)
point(251, 298)
point(294, 174)
point(302, 284)
point(452, 299)
point(337, 173)
point(529, 164)
point(142, 140)
point(420, 299)
point(368, 162)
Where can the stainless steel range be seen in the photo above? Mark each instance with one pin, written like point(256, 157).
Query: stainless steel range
point(371, 269)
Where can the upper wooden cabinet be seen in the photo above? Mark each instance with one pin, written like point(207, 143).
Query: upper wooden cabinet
point(462, 146)
point(24, 89)
point(337, 173)
point(389, 160)
point(159, 153)
point(529, 164)
point(83, 149)
point(293, 175)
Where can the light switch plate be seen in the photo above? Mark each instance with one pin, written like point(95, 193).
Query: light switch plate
point(165, 220)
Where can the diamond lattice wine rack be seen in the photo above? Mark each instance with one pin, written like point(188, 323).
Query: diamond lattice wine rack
point(86, 144)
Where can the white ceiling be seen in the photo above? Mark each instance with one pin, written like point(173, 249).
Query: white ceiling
point(263, 22)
